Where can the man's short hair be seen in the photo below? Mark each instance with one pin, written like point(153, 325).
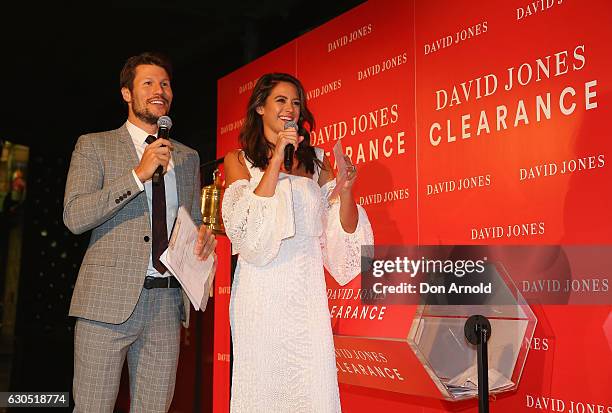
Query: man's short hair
point(126, 78)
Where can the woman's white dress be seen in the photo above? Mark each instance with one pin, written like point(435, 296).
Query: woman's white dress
point(282, 340)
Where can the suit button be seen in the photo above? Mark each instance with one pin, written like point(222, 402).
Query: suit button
point(129, 193)
point(146, 238)
point(117, 201)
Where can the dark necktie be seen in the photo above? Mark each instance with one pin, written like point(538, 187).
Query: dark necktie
point(160, 231)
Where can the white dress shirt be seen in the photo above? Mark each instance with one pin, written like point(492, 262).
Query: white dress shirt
point(139, 137)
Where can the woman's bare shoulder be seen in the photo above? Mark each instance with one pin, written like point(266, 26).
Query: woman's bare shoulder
point(235, 167)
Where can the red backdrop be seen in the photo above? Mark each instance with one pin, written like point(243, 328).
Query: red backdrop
point(471, 122)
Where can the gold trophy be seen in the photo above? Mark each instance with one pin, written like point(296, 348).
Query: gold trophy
point(211, 204)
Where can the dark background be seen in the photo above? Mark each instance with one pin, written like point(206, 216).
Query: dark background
point(60, 79)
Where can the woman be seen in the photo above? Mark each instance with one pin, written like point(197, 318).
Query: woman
point(285, 230)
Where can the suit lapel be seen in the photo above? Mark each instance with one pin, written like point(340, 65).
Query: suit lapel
point(179, 159)
point(126, 141)
point(131, 159)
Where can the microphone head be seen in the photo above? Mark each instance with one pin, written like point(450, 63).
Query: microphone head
point(164, 122)
point(290, 124)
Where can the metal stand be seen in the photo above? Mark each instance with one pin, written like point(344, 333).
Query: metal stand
point(477, 330)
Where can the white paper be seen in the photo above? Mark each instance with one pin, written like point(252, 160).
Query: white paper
point(468, 380)
point(193, 274)
point(342, 172)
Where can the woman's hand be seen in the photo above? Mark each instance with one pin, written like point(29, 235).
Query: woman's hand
point(349, 215)
point(351, 175)
point(285, 137)
point(267, 184)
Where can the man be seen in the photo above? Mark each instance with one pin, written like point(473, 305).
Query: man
point(125, 301)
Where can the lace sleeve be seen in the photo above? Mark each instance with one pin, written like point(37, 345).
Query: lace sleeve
point(252, 222)
point(341, 250)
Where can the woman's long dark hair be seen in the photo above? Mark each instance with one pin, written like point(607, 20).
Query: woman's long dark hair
point(254, 144)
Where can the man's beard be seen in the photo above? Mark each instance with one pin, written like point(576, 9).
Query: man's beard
point(145, 115)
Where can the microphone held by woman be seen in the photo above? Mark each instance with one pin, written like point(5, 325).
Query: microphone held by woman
point(289, 149)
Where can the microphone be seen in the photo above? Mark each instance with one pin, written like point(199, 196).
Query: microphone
point(164, 123)
point(289, 149)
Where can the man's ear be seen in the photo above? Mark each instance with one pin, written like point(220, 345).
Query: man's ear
point(127, 95)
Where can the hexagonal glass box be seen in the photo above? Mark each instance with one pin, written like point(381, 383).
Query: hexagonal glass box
point(421, 349)
point(438, 340)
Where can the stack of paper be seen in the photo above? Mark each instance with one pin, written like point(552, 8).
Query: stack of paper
point(194, 275)
point(466, 383)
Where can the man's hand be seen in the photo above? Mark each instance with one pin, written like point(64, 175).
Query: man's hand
point(155, 154)
point(205, 244)
point(211, 277)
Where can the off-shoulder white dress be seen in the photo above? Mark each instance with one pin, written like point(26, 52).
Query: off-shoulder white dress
point(282, 340)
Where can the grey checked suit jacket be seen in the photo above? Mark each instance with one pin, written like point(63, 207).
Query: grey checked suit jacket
point(102, 195)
